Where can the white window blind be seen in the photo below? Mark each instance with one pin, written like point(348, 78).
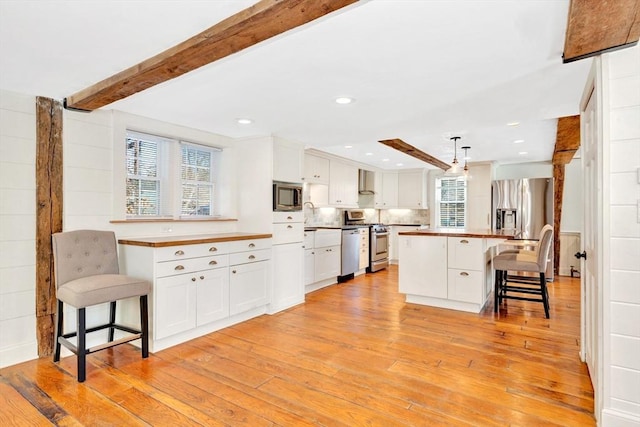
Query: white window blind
point(452, 201)
point(143, 181)
point(197, 172)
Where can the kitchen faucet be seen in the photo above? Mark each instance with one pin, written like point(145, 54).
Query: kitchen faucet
point(313, 209)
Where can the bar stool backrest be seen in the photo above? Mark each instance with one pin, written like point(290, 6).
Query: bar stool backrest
point(544, 247)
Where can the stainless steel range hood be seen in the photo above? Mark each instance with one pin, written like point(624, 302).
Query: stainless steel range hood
point(366, 180)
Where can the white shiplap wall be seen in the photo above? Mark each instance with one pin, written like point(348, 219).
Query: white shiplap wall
point(621, 72)
point(17, 228)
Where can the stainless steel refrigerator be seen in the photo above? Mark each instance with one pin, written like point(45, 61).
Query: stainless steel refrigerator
point(525, 206)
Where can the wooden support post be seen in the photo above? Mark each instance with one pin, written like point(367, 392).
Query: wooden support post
point(558, 192)
point(48, 215)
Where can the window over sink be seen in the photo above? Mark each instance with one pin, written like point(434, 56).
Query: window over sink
point(169, 178)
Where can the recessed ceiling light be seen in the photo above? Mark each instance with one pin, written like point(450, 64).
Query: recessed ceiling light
point(244, 121)
point(348, 146)
point(513, 123)
point(385, 160)
point(523, 153)
point(398, 164)
point(344, 100)
point(518, 141)
point(368, 154)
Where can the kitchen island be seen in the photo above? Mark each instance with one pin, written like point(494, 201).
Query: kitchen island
point(448, 268)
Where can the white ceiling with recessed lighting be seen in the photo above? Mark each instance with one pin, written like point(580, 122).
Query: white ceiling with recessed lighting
point(419, 70)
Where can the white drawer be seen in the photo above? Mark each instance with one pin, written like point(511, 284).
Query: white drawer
point(171, 268)
point(288, 233)
point(465, 286)
point(325, 238)
point(171, 253)
point(465, 253)
point(288, 217)
point(249, 256)
point(249, 245)
point(308, 239)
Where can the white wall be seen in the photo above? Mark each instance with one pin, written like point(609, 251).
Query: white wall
point(94, 182)
point(524, 170)
point(621, 276)
point(17, 228)
point(572, 216)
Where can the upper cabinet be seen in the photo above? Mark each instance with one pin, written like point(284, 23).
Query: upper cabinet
point(288, 161)
point(316, 169)
point(343, 185)
point(389, 194)
point(412, 190)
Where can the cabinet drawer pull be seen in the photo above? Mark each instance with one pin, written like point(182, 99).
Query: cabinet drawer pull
point(464, 273)
point(213, 262)
point(179, 253)
point(201, 277)
point(252, 257)
point(233, 271)
point(193, 279)
point(213, 249)
point(464, 241)
point(289, 217)
point(289, 226)
point(252, 245)
point(179, 267)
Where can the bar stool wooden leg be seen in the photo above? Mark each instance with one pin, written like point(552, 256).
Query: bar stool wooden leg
point(112, 320)
point(144, 325)
point(59, 330)
point(544, 294)
point(82, 345)
point(496, 290)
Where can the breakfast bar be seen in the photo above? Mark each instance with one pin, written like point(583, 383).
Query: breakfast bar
point(448, 268)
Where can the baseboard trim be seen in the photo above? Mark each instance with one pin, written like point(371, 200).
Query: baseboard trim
point(613, 418)
point(17, 354)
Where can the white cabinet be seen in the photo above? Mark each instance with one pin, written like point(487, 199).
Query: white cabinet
point(248, 286)
point(364, 248)
point(389, 190)
point(316, 169)
point(288, 160)
point(175, 301)
point(412, 190)
point(378, 201)
point(309, 266)
point(393, 240)
point(288, 280)
point(327, 263)
point(343, 184)
point(212, 295)
point(423, 266)
point(465, 259)
point(322, 258)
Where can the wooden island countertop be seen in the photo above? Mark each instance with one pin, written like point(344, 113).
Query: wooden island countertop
point(164, 241)
point(461, 232)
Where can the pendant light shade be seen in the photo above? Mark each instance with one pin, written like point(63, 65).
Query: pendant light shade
point(465, 170)
point(455, 166)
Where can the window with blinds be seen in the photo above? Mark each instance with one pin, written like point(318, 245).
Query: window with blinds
point(143, 183)
point(452, 201)
point(168, 178)
point(197, 180)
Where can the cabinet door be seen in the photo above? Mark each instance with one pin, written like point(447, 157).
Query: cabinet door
point(248, 286)
point(316, 169)
point(378, 198)
point(423, 265)
point(327, 263)
point(309, 266)
point(411, 190)
point(213, 295)
point(288, 281)
point(287, 161)
point(465, 285)
point(343, 184)
point(466, 253)
point(175, 305)
point(389, 190)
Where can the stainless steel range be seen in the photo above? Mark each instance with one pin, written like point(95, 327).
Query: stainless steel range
point(378, 240)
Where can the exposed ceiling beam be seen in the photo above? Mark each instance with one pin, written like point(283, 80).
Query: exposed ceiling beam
point(567, 140)
point(402, 146)
point(257, 23)
point(597, 26)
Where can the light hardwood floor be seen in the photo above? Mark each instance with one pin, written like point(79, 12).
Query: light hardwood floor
point(354, 354)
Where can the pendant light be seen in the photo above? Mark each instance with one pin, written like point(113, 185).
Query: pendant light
point(455, 167)
point(465, 170)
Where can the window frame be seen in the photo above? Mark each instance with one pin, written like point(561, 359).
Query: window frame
point(462, 184)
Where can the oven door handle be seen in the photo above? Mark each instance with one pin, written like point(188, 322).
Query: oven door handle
point(386, 233)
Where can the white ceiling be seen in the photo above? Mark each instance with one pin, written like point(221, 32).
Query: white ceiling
point(420, 70)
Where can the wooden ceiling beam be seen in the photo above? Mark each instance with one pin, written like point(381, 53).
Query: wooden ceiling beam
point(257, 23)
point(402, 146)
point(597, 26)
point(567, 140)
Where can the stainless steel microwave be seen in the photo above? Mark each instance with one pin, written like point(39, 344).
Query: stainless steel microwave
point(287, 196)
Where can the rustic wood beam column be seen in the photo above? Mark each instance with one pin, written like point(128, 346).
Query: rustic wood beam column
point(48, 215)
point(567, 143)
point(410, 150)
point(264, 20)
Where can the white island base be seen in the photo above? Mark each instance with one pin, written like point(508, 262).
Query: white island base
point(447, 268)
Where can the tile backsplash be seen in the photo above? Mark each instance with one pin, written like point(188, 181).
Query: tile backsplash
point(332, 217)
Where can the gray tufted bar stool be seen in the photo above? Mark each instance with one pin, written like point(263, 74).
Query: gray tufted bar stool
point(86, 273)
